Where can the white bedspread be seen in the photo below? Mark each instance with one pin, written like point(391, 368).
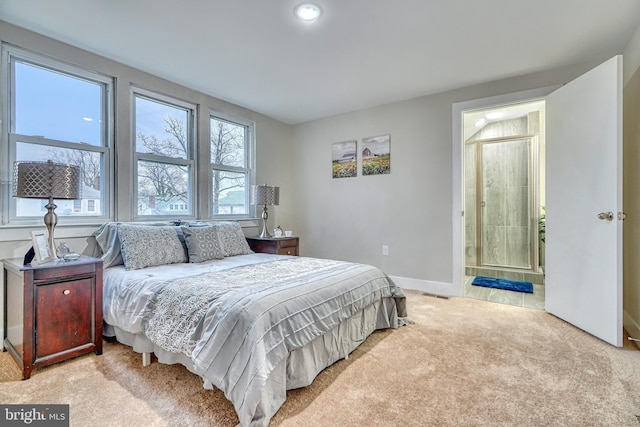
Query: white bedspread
point(238, 318)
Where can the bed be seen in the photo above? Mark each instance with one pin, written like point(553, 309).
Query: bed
point(252, 325)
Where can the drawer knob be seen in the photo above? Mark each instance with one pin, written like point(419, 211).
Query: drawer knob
point(66, 292)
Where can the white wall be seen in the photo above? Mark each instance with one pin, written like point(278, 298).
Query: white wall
point(411, 209)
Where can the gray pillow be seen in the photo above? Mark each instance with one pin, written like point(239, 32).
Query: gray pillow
point(232, 238)
point(144, 246)
point(107, 239)
point(202, 243)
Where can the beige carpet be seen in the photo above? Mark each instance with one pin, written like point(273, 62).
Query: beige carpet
point(462, 363)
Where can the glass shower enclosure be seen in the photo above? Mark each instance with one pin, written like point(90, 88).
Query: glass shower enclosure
point(502, 190)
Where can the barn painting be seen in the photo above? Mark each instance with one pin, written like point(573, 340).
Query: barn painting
point(344, 158)
point(376, 155)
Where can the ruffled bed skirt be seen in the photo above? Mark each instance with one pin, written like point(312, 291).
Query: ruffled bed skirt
point(300, 367)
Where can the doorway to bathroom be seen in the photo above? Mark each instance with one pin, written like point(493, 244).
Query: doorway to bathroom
point(583, 255)
point(504, 201)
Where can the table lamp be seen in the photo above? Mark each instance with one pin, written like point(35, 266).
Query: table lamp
point(265, 195)
point(47, 180)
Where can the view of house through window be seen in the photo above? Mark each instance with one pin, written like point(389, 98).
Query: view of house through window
point(59, 113)
point(164, 155)
point(230, 166)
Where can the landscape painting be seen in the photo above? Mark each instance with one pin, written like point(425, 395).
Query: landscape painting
point(344, 159)
point(376, 155)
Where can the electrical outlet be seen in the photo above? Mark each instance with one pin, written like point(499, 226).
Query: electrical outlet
point(385, 250)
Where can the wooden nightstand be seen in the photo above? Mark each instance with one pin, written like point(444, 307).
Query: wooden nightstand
point(274, 245)
point(53, 311)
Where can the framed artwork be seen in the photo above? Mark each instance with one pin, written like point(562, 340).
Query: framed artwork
point(376, 155)
point(344, 158)
point(41, 246)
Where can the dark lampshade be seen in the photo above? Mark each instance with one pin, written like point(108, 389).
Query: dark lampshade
point(41, 180)
point(47, 180)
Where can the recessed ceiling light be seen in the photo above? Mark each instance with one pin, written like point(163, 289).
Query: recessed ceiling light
point(308, 12)
point(87, 119)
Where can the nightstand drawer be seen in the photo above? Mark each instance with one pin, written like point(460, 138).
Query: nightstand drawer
point(287, 243)
point(69, 270)
point(288, 250)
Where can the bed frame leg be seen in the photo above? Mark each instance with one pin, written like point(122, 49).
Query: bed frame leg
point(146, 359)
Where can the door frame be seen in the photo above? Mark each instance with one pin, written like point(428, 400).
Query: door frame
point(458, 168)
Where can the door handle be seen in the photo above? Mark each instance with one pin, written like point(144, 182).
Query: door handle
point(608, 216)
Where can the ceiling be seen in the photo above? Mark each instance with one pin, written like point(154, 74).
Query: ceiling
point(361, 53)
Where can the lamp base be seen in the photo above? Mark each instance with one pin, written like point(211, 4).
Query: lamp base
point(50, 220)
point(264, 234)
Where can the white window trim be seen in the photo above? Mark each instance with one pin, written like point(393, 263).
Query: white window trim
point(8, 217)
point(250, 169)
point(190, 162)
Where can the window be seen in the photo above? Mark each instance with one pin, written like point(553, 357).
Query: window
point(231, 167)
point(61, 113)
point(164, 155)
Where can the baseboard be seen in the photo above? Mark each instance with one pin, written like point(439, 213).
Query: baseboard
point(632, 327)
point(428, 286)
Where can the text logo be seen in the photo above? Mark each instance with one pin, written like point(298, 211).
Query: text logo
point(34, 415)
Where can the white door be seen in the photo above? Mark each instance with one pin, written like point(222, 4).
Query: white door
point(583, 283)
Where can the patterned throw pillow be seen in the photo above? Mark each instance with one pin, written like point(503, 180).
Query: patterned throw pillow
point(144, 246)
point(232, 238)
point(107, 240)
point(202, 243)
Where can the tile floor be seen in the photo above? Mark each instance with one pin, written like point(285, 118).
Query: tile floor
point(521, 299)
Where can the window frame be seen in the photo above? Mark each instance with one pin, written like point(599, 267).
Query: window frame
point(10, 56)
point(190, 161)
point(249, 169)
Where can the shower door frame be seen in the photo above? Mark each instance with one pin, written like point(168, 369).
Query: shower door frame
point(534, 199)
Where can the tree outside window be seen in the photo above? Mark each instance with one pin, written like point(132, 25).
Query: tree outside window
point(230, 167)
point(164, 155)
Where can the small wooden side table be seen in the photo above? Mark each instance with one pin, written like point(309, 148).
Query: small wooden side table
point(275, 245)
point(52, 311)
